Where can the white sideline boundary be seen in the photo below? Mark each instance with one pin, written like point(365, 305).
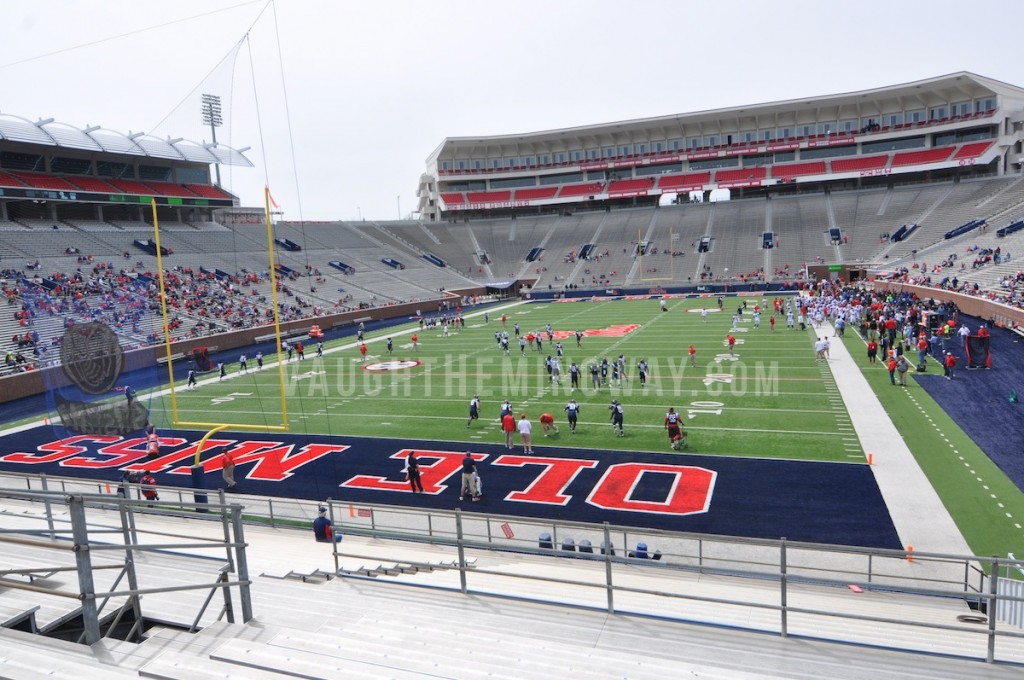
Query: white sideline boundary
point(920, 517)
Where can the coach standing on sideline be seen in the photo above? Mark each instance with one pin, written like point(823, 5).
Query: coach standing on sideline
point(526, 433)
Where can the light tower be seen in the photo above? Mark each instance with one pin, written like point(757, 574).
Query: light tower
point(212, 117)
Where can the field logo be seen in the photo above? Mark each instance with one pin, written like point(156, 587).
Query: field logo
point(617, 331)
point(393, 365)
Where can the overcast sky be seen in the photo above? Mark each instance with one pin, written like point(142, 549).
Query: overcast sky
point(374, 87)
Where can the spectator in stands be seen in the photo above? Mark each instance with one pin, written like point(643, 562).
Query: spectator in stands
point(228, 469)
point(148, 483)
point(323, 528)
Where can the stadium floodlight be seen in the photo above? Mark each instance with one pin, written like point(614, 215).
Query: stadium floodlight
point(212, 117)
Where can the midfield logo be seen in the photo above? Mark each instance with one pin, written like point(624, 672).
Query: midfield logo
point(616, 331)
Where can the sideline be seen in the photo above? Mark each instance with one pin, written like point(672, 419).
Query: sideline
point(920, 517)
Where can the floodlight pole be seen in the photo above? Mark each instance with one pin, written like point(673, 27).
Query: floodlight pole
point(212, 117)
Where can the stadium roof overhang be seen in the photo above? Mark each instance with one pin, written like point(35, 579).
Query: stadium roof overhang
point(100, 140)
point(917, 94)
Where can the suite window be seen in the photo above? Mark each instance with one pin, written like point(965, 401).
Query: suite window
point(962, 109)
point(938, 113)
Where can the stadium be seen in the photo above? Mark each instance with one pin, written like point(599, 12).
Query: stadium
point(719, 277)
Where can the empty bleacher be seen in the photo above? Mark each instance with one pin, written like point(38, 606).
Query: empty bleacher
point(488, 196)
point(791, 170)
point(588, 189)
point(740, 175)
point(687, 182)
point(972, 150)
point(860, 164)
point(921, 157)
point(536, 193)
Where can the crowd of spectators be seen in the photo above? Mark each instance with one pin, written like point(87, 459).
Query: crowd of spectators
point(947, 272)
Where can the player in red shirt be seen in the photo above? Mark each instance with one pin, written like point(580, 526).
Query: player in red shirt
point(732, 343)
point(415, 339)
point(547, 422)
point(693, 356)
point(508, 426)
point(362, 350)
point(872, 351)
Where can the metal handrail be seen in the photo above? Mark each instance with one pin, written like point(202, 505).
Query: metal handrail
point(82, 545)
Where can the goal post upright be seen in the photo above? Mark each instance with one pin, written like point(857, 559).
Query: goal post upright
point(213, 428)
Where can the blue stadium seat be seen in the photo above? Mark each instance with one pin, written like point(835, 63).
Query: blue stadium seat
point(544, 541)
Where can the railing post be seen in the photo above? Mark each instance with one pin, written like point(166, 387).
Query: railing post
point(130, 538)
point(334, 548)
point(83, 562)
point(462, 550)
point(782, 585)
point(48, 509)
point(225, 523)
point(242, 564)
point(609, 587)
point(270, 508)
point(993, 601)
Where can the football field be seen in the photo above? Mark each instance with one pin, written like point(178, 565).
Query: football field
point(769, 399)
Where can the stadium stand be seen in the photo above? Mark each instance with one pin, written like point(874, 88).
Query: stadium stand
point(971, 150)
point(740, 175)
point(41, 181)
point(93, 184)
point(696, 180)
point(488, 196)
point(921, 157)
point(536, 193)
point(791, 170)
point(589, 189)
point(859, 164)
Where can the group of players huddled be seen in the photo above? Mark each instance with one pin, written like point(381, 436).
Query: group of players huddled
point(604, 373)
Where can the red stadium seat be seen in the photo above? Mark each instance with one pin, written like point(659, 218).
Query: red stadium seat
point(488, 196)
point(588, 189)
point(740, 174)
point(453, 198)
point(859, 163)
point(169, 189)
point(536, 194)
point(40, 181)
point(920, 157)
point(633, 187)
point(668, 183)
point(94, 184)
point(9, 181)
point(972, 150)
point(208, 191)
point(130, 186)
point(799, 169)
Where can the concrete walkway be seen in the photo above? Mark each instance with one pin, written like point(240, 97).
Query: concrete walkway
point(918, 513)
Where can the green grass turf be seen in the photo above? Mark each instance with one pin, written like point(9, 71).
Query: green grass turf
point(771, 402)
point(986, 505)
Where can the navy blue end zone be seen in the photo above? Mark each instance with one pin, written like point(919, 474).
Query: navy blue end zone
point(978, 400)
point(836, 503)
